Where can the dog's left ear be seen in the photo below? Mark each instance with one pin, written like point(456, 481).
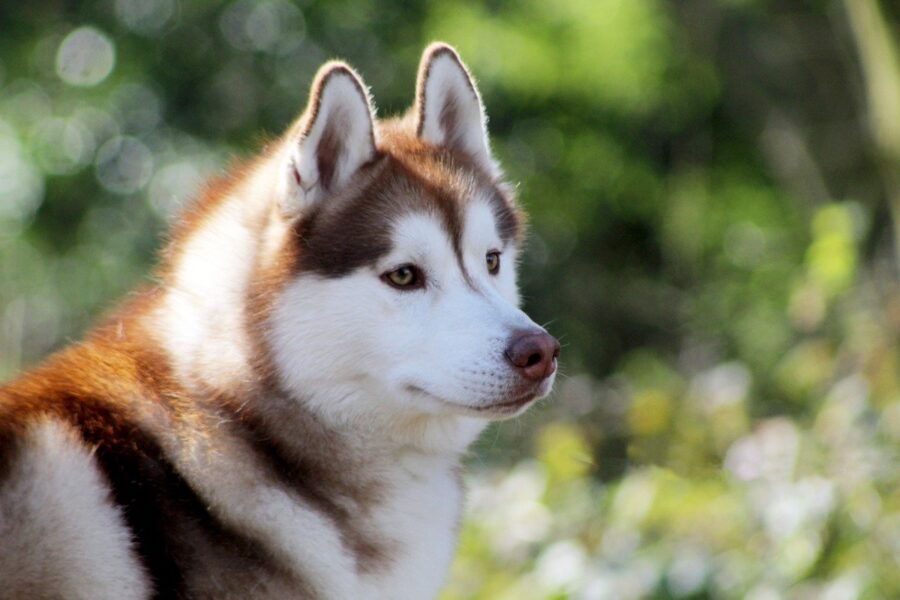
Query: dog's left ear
point(449, 112)
point(333, 140)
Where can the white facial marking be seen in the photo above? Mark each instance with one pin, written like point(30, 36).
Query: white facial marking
point(435, 351)
point(481, 236)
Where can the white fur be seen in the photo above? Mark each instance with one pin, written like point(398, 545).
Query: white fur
point(448, 81)
point(61, 535)
point(200, 320)
point(480, 236)
point(361, 351)
point(201, 317)
point(420, 516)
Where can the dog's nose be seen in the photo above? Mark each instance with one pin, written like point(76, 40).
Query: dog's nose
point(533, 354)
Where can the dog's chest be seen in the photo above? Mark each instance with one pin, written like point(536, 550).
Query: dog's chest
point(419, 522)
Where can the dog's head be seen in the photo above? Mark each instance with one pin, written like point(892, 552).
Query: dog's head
point(402, 296)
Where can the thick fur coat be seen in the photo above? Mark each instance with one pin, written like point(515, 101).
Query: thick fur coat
point(282, 414)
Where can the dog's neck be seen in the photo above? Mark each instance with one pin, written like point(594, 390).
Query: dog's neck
point(372, 434)
point(201, 322)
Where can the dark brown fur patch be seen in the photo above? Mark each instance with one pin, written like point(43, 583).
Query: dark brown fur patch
point(450, 122)
point(318, 472)
point(510, 221)
point(328, 153)
point(353, 228)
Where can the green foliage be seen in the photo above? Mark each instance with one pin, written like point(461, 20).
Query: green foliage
point(711, 238)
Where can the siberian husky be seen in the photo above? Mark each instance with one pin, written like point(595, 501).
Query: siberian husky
point(282, 414)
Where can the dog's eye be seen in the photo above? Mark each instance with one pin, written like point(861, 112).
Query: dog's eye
point(406, 277)
point(493, 262)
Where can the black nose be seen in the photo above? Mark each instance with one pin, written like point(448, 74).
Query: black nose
point(533, 354)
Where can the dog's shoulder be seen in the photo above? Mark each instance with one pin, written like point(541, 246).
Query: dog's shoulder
point(93, 502)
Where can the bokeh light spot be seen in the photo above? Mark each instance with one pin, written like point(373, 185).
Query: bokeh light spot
point(63, 146)
point(145, 16)
point(269, 26)
point(21, 184)
point(172, 186)
point(124, 165)
point(85, 57)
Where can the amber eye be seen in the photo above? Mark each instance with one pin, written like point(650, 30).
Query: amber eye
point(406, 277)
point(493, 262)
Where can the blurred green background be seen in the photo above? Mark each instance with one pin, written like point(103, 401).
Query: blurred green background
point(714, 188)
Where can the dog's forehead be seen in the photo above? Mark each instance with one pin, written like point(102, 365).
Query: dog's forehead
point(455, 187)
point(455, 180)
point(356, 229)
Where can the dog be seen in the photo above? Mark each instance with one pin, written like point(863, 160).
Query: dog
point(282, 412)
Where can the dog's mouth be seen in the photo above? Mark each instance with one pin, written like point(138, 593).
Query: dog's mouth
point(503, 408)
point(507, 405)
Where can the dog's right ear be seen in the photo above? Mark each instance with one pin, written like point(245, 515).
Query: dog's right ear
point(336, 137)
point(449, 111)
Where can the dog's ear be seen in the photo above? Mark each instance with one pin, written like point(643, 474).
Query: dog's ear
point(448, 108)
point(336, 137)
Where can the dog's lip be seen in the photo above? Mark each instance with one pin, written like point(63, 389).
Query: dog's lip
point(506, 406)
